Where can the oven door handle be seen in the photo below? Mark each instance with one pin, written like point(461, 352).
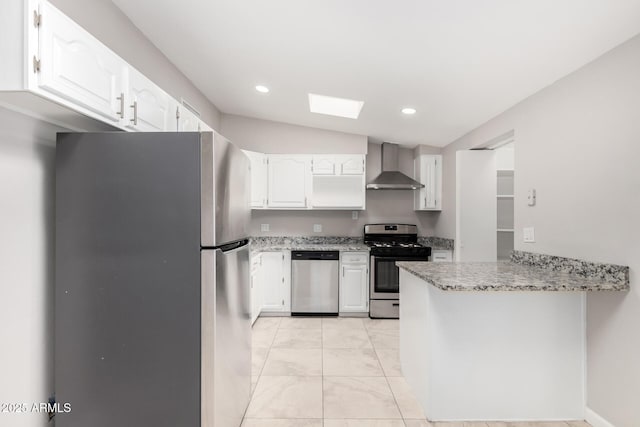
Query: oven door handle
point(372, 275)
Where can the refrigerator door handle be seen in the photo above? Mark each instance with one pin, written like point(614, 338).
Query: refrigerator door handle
point(234, 246)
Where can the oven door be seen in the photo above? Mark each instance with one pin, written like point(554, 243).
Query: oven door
point(384, 279)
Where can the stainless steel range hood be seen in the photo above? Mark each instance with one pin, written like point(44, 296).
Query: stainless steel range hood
point(391, 178)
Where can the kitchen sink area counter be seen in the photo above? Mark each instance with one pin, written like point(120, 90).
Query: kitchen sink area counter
point(500, 341)
point(307, 243)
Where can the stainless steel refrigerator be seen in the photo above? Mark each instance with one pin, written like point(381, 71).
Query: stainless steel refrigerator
point(152, 313)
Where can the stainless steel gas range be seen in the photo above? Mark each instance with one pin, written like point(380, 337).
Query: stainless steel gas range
point(390, 243)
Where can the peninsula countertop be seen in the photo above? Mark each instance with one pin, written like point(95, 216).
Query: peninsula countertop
point(504, 276)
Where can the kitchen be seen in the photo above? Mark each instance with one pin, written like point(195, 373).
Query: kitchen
point(574, 145)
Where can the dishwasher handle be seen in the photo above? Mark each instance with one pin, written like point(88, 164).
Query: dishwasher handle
point(315, 255)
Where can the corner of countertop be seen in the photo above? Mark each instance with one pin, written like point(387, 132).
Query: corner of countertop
point(612, 273)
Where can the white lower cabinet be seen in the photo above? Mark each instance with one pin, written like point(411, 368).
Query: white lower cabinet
point(256, 286)
point(275, 282)
point(354, 282)
point(441, 255)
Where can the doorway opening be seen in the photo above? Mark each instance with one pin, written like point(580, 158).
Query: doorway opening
point(485, 200)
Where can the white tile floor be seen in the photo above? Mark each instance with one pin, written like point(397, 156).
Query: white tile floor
point(336, 372)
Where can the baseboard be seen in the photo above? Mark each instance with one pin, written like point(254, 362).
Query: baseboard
point(596, 420)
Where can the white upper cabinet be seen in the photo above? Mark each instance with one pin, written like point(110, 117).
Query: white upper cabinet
point(148, 107)
point(292, 181)
point(338, 182)
point(258, 179)
point(351, 165)
point(338, 164)
point(75, 66)
point(428, 171)
point(187, 121)
point(59, 72)
point(323, 165)
point(338, 192)
point(288, 180)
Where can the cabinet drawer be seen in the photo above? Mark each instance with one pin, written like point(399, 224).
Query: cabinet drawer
point(355, 257)
point(439, 255)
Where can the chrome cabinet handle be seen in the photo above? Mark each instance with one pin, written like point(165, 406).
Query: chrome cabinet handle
point(135, 113)
point(121, 99)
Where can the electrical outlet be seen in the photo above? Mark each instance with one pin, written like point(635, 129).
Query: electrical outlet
point(264, 227)
point(531, 197)
point(528, 235)
point(354, 214)
point(317, 228)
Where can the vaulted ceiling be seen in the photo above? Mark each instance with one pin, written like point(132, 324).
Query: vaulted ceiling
point(457, 62)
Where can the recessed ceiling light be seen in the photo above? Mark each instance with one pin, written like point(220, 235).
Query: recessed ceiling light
point(262, 89)
point(408, 111)
point(331, 106)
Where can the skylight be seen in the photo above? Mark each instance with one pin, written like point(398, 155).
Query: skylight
point(331, 106)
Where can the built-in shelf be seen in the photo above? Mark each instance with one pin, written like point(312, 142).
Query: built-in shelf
point(505, 200)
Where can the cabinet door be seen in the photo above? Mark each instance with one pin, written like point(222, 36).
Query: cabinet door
point(338, 192)
point(75, 66)
point(353, 288)
point(351, 165)
point(258, 178)
point(187, 121)
point(256, 287)
point(149, 107)
point(273, 281)
point(428, 171)
point(323, 165)
point(288, 181)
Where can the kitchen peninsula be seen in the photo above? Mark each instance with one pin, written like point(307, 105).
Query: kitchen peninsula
point(499, 341)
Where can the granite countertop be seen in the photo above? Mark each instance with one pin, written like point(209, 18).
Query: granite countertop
point(307, 243)
point(310, 247)
point(328, 243)
point(505, 276)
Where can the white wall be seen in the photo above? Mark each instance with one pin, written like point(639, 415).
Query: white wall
point(382, 206)
point(27, 184)
point(274, 137)
point(107, 23)
point(577, 142)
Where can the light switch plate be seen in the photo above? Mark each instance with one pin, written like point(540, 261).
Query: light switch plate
point(317, 228)
point(264, 227)
point(528, 234)
point(354, 214)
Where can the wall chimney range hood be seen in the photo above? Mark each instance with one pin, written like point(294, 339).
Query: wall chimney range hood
point(391, 178)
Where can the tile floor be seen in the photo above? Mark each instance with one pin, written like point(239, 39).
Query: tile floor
point(336, 372)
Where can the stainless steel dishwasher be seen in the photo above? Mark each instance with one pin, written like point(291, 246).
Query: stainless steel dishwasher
point(314, 283)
